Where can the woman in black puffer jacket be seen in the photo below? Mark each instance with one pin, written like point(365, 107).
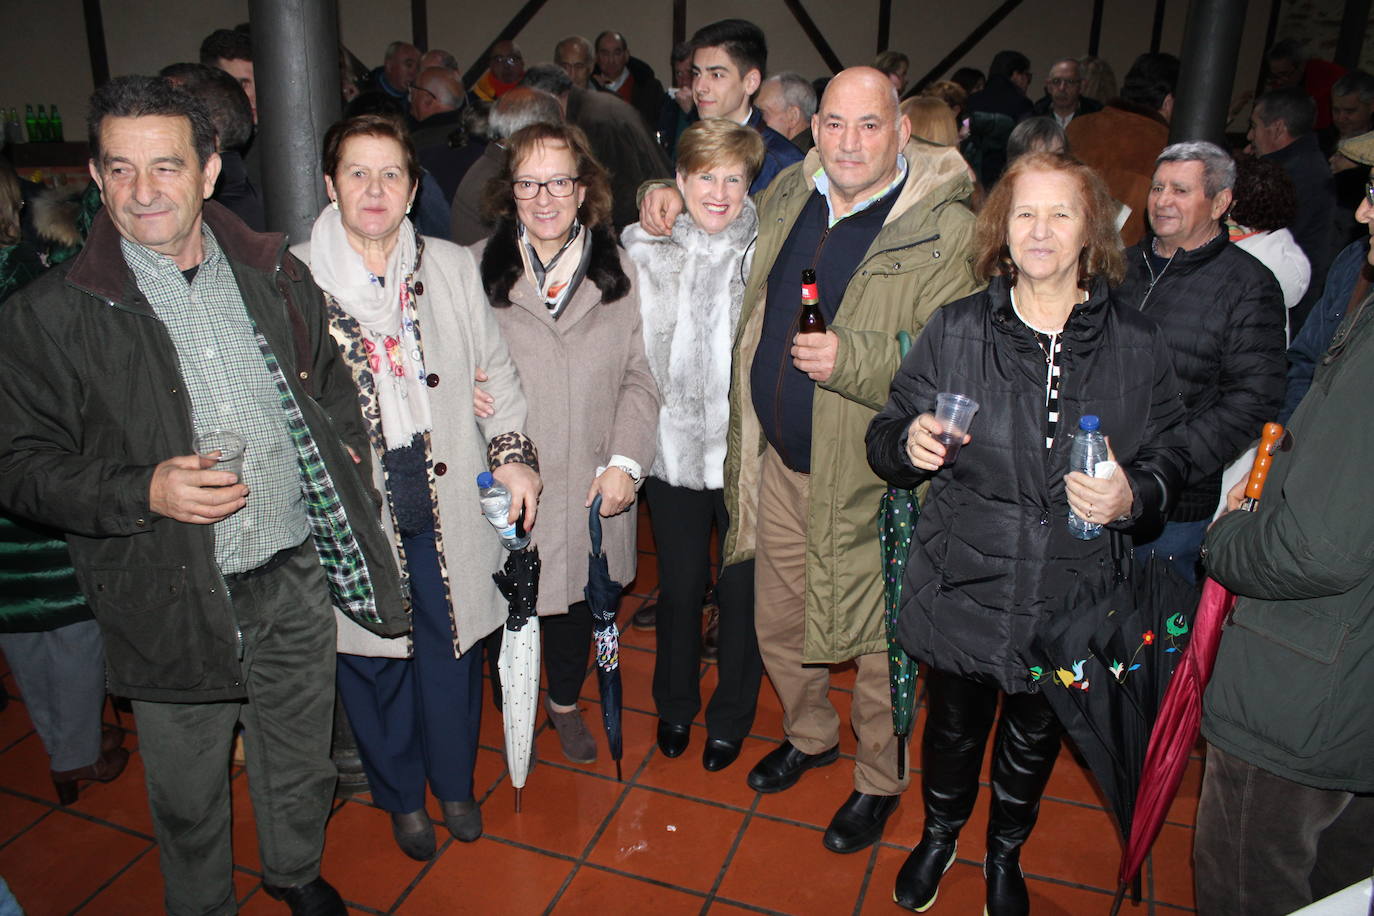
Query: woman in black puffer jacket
point(1042, 346)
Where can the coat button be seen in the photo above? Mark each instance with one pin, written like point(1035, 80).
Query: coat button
point(303, 375)
point(141, 523)
point(440, 469)
point(432, 380)
point(935, 254)
point(419, 288)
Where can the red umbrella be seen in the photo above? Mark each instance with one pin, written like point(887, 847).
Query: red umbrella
point(1180, 714)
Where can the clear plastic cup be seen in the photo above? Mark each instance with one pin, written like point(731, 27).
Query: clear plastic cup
point(955, 413)
point(225, 447)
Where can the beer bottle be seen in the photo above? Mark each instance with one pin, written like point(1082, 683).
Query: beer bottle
point(31, 123)
point(810, 321)
point(43, 124)
point(55, 126)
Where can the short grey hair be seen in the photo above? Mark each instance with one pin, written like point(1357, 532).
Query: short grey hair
point(516, 109)
point(549, 78)
point(797, 91)
point(1218, 168)
point(1355, 82)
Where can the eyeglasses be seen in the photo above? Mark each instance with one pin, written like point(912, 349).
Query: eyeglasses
point(557, 187)
point(416, 89)
point(1060, 82)
point(509, 60)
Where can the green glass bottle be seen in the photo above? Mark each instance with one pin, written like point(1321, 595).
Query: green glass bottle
point(43, 132)
point(55, 126)
point(31, 123)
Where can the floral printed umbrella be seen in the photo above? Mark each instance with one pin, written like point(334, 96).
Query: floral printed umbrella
point(518, 662)
point(603, 597)
point(1104, 660)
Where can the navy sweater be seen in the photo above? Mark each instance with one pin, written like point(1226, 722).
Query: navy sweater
point(782, 392)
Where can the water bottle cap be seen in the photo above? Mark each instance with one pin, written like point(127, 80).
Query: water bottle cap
point(1089, 422)
point(484, 479)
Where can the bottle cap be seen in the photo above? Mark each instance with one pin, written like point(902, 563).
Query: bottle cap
point(484, 479)
point(1089, 422)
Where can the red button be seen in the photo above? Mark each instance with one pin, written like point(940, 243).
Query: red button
point(440, 469)
point(432, 380)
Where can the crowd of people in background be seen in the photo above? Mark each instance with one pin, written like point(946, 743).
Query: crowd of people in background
point(584, 280)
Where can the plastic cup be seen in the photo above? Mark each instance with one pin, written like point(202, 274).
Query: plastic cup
point(225, 447)
point(955, 413)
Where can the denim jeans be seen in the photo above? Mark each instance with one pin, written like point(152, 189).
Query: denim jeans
point(1179, 542)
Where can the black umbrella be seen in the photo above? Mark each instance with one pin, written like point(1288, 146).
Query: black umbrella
point(603, 597)
point(1104, 661)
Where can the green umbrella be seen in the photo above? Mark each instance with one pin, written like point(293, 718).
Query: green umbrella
point(896, 521)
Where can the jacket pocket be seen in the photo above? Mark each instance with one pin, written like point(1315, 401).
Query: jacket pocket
point(1277, 674)
point(149, 637)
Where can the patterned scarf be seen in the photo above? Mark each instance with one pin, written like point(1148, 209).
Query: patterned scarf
point(557, 280)
point(382, 307)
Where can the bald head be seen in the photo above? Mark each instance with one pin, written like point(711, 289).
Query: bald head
point(574, 54)
point(436, 90)
point(859, 132)
point(438, 58)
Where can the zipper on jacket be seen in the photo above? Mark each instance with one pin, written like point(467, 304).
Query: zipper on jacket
point(1153, 278)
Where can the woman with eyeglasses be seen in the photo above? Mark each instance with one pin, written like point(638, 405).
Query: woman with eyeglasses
point(564, 294)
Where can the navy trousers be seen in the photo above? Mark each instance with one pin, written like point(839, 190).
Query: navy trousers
point(417, 718)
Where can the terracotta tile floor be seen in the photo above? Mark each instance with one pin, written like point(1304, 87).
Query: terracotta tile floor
point(671, 839)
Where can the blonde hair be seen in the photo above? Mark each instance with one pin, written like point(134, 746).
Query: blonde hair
point(931, 120)
point(713, 142)
point(11, 202)
point(949, 92)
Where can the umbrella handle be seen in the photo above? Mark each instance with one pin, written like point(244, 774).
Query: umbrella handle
point(594, 524)
point(1264, 461)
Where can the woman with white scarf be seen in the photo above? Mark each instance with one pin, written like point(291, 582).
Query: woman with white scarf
point(692, 285)
point(412, 323)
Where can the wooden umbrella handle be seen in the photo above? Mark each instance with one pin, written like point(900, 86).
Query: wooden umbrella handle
point(1264, 461)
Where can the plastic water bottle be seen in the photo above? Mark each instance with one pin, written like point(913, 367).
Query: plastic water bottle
point(496, 507)
point(1089, 449)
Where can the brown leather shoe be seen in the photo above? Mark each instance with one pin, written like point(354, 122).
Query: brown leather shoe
point(111, 737)
point(107, 767)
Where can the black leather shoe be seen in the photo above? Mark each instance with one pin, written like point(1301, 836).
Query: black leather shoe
point(719, 753)
point(918, 883)
point(414, 834)
point(646, 618)
point(672, 739)
point(318, 898)
point(782, 767)
point(859, 822)
point(1007, 894)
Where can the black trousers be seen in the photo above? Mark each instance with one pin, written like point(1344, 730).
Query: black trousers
point(959, 717)
point(681, 519)
point(567, 650)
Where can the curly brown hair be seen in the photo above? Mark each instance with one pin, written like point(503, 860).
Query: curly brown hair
point(498, 199)
point(1101, 255)
point(1265, 197)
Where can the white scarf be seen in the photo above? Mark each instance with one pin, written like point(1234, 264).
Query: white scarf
point(388, 325)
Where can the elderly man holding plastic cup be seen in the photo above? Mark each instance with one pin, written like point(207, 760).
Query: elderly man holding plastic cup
point(1042, 346)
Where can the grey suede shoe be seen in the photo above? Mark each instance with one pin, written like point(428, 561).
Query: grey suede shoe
point(578, 744)
point(463, 819)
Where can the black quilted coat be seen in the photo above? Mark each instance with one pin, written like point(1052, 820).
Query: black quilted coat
point(992, 552)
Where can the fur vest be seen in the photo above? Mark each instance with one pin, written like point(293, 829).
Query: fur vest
point(502, 265)
point(691, 287)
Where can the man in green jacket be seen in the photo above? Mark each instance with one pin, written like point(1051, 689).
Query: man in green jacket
point(879, 218)
point(1286, 815)
point(212, 588)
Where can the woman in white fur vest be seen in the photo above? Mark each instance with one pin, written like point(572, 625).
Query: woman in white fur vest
point(691, 287)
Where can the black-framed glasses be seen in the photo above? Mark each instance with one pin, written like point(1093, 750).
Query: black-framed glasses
point(562, 186)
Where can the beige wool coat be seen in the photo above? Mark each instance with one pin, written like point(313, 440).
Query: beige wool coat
point(590, 396)
point(457, 335)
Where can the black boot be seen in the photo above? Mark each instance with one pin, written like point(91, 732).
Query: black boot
point(1023, 757)
point(918, 883)
point(958, 717)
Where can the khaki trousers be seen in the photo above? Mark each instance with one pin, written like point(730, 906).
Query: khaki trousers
point(809, 720)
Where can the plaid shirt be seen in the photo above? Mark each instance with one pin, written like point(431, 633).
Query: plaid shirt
point(230, 387)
